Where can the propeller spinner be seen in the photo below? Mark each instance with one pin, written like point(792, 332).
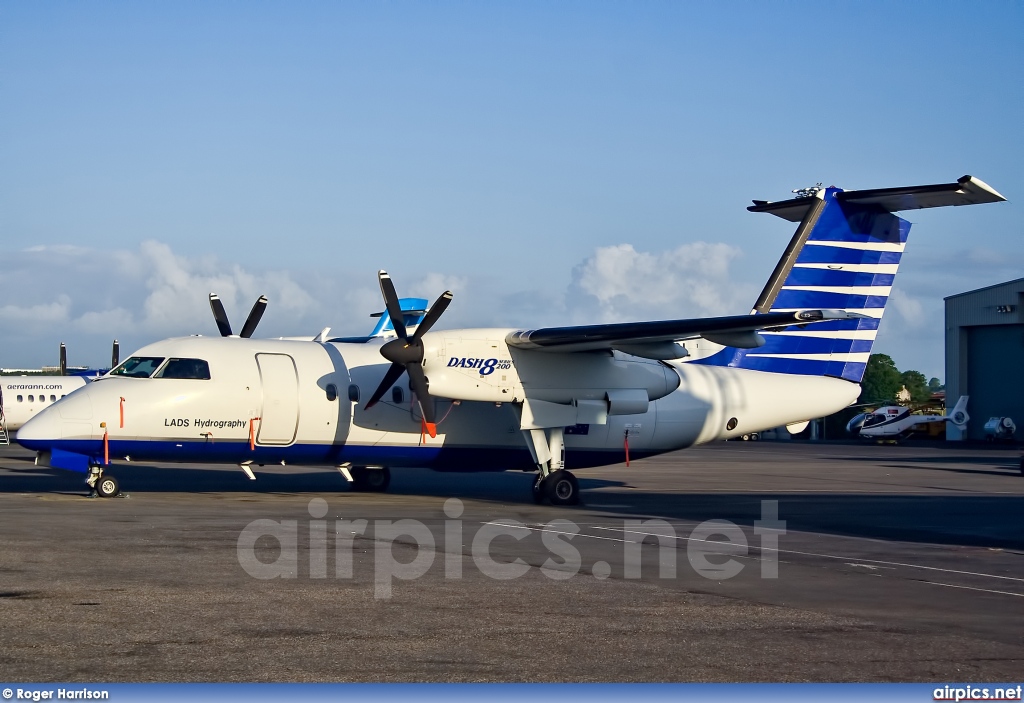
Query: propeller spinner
point(406, 353)
point(221, 316)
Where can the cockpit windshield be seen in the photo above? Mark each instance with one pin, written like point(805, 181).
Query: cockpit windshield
point(138, 367)
point(875, 419)
point(185, 368)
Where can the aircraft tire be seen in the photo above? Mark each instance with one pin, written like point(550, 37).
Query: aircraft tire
point(107, 487)
point(367, 480)
point(378, 480)
point(561, 488)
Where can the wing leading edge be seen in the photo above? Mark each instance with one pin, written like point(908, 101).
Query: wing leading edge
point(656, 340)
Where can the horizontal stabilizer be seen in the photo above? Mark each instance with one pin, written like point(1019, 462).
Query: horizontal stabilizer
point(966, 191)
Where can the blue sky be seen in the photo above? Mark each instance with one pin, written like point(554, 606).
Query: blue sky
point(551, 162)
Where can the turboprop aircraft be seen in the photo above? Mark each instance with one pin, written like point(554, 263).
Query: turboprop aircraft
point(542, 400)
point(22, 396)
point(895, 421)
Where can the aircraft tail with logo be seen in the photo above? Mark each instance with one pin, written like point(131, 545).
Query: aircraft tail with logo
point(843, 256)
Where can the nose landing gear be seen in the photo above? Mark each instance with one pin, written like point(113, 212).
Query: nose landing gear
point(370, 480)
point(104, 486)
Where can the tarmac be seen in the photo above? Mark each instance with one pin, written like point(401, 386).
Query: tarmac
point(894, 563)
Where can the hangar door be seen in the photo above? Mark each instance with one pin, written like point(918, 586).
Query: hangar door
point(995, 377)
point(279, 417)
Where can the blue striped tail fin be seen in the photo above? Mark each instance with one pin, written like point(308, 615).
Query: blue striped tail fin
point(843, 256)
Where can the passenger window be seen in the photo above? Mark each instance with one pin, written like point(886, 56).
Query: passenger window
point(138, 367)
point(185, 368)
point(397, 395)
point(353, 393)
point(332, 392)
point(21, 398)
point(31, 399)
point(53, 399)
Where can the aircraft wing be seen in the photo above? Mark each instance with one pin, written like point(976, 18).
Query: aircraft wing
point(656, 340)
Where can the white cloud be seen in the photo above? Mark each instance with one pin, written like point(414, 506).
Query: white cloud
point(58, 249)
point(909, 308)
point(690, 280)
point(178, 289)
point(56, 311)
point(434, 284)
point(86, 297)
point(153, 292)
point(107, 322)
point(138, 296)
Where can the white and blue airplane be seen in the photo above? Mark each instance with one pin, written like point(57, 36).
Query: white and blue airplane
point(495, 399)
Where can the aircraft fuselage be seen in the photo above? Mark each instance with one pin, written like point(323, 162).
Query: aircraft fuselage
point(300, 402)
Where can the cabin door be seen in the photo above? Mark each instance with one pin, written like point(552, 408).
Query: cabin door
point(279, 418)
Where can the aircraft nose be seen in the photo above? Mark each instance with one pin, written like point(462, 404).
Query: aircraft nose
point(69, 418)
point(42, 430)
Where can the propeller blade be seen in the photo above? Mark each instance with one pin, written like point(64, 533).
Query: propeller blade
point(418, 381)
point(254, 317)
point(63, 360)
point(405, 353)
point(220, 316)
point(435, 311)
point(115, 354)
point(390, 377)
point(387, 289)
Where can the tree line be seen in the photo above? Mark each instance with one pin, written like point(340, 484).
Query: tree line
point(882, 381)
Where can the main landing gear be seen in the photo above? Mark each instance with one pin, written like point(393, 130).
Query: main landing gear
point(558, 488)
point(553, 483)
point(103, 485)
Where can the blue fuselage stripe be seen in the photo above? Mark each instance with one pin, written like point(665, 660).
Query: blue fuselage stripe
point(441, 458)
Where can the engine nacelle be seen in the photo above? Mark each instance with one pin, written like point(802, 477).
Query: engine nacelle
point(470, 368)
point(482, 367)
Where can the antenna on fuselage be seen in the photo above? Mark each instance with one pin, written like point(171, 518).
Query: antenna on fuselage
point(221, 316)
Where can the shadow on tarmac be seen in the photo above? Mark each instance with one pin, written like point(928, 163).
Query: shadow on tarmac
point(956, 519)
